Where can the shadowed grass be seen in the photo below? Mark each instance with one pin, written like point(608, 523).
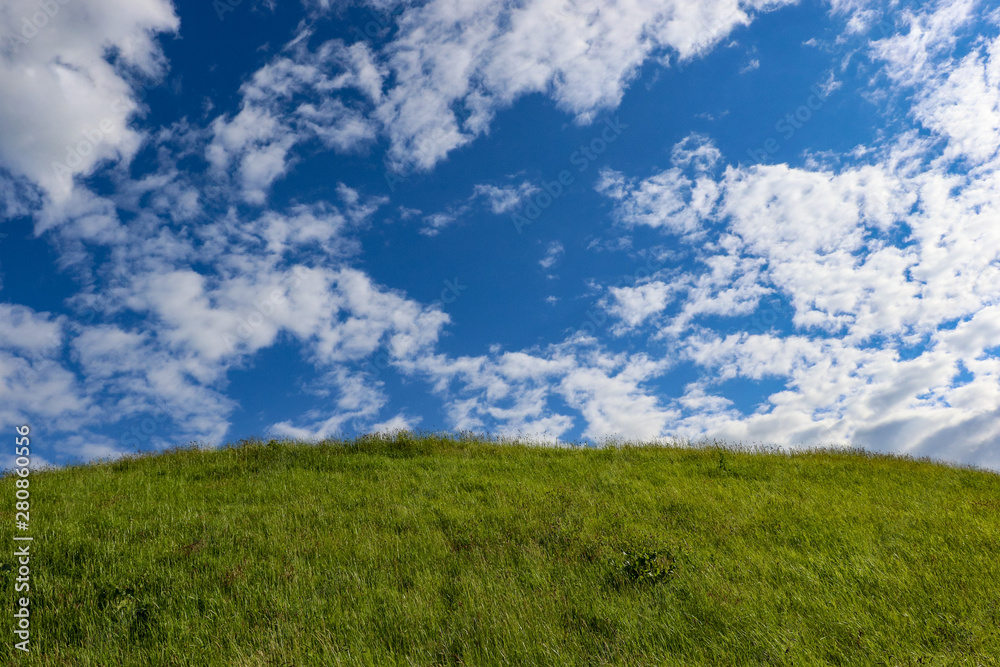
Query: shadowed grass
point(456, 550)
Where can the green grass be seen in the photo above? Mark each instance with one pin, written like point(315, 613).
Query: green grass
point(437, 550)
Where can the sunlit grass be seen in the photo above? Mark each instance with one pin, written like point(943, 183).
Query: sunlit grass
point(430, 549)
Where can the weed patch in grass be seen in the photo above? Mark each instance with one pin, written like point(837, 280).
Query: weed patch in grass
point(643, 568)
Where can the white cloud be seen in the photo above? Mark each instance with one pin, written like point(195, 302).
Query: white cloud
point(890, 269)
point(358, 400)
point(677, 199)
point(322, 226)
point(400, 422)
point(194, 328)
point(697, 151)
point(554, 251)
point(72, 108)
point(135, 377)
point(614, 404)
point(505, 199)
point(434, 223)
point(670, 200)
point(510, 392)
point(25, 331)
point(38, 387)
point(481, 56)
point(187, 328)
point(17, 196)
point(634, 305)
point(964, 106)
point(912, 56)
point(31, 381)
point(274, 117)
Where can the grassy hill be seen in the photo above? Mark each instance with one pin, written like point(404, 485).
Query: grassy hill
point(436, 550)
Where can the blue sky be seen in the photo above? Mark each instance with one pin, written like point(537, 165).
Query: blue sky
point(767, 221)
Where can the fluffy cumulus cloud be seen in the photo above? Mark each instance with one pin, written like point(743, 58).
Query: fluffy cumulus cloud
point(72, 108)
point(152, 338)
point(157, 335)
point(289, 101)
point(454, 65)
point(889, 270)
point(515, 390)
point(877, 269)
point(677, 199)
point(195, 327)
point(31, 382)
point(633, 305)
point(449, 68)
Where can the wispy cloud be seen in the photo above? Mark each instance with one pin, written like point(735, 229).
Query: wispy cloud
point(552, 255)
point(503, 199)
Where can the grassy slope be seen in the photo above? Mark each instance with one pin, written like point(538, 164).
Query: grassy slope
point(436, 551)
